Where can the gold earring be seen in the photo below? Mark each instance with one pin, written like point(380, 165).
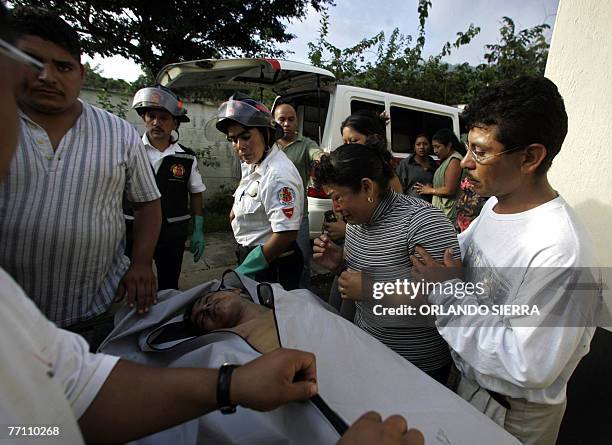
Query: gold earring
point(370, 199)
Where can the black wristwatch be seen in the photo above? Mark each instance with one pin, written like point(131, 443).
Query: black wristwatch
point(223, 389)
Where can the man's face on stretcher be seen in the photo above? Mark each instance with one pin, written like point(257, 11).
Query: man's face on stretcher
point(217, 310)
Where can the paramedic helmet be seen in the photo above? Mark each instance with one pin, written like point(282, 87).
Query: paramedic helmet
point(161, 98)
point(247, 112)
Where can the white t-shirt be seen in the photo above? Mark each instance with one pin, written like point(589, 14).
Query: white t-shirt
point(47, 375)
point(156, 157)
point(530, 258)
point(269, 198)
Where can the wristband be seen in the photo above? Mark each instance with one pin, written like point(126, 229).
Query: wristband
point(223, 389)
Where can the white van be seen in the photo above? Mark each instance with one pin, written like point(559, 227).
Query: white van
point(321, 105)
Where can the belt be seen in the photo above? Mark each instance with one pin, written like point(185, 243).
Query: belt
point(499, 398)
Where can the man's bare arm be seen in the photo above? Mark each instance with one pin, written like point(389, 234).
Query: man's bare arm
point(139, 281)
point(138, 400)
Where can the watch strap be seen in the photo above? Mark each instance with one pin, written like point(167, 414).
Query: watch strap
point(223, 389)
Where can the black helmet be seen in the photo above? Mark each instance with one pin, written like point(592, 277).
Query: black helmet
point(161, 98)
point(247, 112)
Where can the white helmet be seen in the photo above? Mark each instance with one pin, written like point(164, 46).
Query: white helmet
point(161, 98)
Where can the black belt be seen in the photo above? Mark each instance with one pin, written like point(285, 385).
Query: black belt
point(499, 398)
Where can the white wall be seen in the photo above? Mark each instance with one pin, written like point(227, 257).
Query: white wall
point(192, 135)
point(580, 63)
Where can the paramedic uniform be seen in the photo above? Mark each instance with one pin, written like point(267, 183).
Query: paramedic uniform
point(270, 198)
point(176, 176)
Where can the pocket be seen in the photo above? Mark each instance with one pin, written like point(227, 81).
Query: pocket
point(480, 399)
point(248, 205)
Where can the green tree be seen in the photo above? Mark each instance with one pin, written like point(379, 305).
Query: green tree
point(394, 64)
point(94, 79)
point(397, 65)
point(156, 33)
point(517, 53)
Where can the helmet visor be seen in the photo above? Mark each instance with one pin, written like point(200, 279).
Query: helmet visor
point(244, 114)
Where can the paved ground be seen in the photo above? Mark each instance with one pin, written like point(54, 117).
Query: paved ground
point(219, 255)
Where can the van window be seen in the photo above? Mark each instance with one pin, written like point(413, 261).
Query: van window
point(362, 106)
point(407, 123)
point(311, 108)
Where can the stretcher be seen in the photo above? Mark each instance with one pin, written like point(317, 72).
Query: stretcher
point(355, 373)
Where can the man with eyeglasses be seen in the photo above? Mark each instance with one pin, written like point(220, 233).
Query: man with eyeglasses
point(528, 248)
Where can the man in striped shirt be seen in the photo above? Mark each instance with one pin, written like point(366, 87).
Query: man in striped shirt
point(61, 225)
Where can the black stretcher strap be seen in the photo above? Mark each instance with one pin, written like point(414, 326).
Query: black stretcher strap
point(336, 421)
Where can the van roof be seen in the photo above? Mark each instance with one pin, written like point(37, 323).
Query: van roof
point(276, 74)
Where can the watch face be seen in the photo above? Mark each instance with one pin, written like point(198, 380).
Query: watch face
point(228, 409)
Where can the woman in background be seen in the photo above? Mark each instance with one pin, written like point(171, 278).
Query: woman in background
point(447, 177)
point(418, 167)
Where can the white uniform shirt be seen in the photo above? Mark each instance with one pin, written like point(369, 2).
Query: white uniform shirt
point(156, 158)
point(269, 198)
point(48, 375)
point(531, 258)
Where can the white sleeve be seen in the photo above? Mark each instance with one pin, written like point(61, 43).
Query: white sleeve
point(527, 351)
point(283, 200)
point(80, 372)
point(196, 185)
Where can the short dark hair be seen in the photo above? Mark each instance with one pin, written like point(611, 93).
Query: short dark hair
point(526, 110)
point(349, 163)
point(446, 136)
point(47, 25)
point(370, 124)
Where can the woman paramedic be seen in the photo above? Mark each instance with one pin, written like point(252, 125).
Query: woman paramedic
point(268, 202)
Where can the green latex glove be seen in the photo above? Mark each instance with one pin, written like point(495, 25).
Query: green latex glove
point(253, 263)
point(197, 238)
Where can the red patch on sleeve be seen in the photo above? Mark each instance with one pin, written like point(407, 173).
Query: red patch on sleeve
point(288, 212)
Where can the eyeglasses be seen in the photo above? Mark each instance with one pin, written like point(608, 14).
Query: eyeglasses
point(17, 55)
point(482, 159)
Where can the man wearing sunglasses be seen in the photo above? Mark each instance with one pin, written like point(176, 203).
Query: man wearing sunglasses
point(528, 248)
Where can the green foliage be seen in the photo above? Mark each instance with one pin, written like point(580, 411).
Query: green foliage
point(120, 109)
point(156, 33)
point(205, 156)
point(217, 210)
point(396, 64)
point(94, 79)
point(519, 53)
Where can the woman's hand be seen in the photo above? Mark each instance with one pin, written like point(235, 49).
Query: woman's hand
point(335, 230)
point(349, 285)
point(423, 189)
point(327, 254)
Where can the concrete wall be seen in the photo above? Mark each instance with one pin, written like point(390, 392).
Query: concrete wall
point(222, 176)
point(580, 63)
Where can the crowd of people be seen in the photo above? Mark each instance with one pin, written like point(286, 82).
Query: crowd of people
point(88, 205)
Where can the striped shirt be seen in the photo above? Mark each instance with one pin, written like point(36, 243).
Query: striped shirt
point(61, 221)
point(381, 250)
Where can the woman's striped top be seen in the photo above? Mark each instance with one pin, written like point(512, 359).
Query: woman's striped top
point(381, 250)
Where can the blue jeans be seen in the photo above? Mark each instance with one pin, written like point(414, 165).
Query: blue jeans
point(303, 240)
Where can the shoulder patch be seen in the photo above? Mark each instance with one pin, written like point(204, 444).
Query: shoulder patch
point(286, 197)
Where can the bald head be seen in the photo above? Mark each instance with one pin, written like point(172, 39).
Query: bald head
point(285, 115)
